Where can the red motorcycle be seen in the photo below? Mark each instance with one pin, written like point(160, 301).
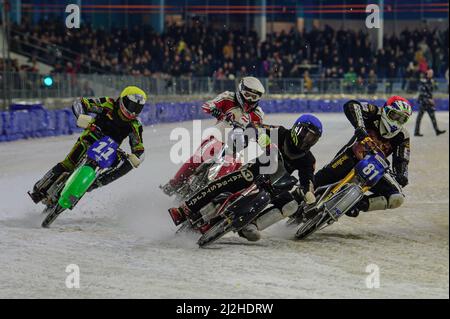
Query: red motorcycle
point(227, 160)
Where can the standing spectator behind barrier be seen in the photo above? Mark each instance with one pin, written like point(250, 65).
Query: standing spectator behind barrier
point(427, 103)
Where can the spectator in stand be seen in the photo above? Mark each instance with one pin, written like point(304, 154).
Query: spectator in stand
point(228, 52)
point(87, 91)
point(181, 48)
point(423, 65)
point(360, 84)
point(307, 83)
point(242, 72)
point(391, 73)
point(372, 82)
point(219, 74)
point(350, 80)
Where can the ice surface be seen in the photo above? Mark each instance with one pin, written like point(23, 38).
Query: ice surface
point(124, 242)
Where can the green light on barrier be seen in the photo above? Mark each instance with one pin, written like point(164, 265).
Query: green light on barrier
point(48, 81)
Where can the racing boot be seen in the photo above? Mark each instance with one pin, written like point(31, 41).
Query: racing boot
point(250, 232)
point(362, 205)
point(41, 187)
point(179, 215)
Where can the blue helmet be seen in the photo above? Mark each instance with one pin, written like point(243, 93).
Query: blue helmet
point(311, 121)
point(305, 132)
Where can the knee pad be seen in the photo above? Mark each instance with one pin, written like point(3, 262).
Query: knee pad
point(377, 203)
point(268, 218)
point(395, 201)
point(381, 203)
point(289, 208)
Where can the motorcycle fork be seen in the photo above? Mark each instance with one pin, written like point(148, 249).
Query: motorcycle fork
point(351, 175)
point(336, 188)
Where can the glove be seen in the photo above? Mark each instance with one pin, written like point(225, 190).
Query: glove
point(361, 133)
point(401, 179)
point(84, 120)
point(263, 140)
point(310, 198)
point(77, 107)
point(229, 117)
point(215, 112)
point(134, 160)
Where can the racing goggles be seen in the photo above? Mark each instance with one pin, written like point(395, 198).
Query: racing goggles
point(397, 116)
point(250, 95)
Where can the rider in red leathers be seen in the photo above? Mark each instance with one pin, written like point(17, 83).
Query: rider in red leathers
point(240, 106)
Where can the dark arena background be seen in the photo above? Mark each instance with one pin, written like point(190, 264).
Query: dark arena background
point(311, 57)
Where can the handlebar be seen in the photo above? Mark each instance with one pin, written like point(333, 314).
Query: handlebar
point(235, 124)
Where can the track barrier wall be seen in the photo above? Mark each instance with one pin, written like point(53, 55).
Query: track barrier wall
point(33, 121)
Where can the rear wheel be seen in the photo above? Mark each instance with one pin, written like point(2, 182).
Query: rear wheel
point(215, 232)
point(313, 224)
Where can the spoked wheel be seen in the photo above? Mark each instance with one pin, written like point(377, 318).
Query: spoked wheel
point(53, 213)
point(215, 232)
point(312, 225)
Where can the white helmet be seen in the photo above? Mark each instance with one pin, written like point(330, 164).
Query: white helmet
point(394, 115)
point(249, 92)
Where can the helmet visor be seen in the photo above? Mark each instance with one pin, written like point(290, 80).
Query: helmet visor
point(250, 95)
point(396, 116)
point(131, 109)
point(304, 137)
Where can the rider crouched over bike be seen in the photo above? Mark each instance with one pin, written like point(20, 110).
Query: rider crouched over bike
point(384, 128)
point(241, 107)
point(292, 151)
point(116, 118)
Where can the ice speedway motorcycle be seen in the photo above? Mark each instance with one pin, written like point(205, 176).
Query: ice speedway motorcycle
point(69, 188)
point(227, 160)
point(230, 212)
point(336, 199)
point(240, 209)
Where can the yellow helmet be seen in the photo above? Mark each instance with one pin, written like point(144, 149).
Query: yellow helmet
point(132, 100)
